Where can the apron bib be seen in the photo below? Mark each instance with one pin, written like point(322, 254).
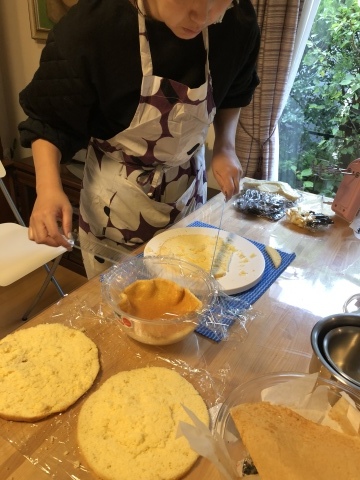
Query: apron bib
point(152, 174)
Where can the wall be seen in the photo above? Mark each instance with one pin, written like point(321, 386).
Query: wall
point(19, 58)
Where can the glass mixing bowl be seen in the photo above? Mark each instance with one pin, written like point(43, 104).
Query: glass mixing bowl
point(166, 329)
point(249, 392)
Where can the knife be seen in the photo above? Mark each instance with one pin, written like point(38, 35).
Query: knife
point(98, 249)
point(217, 236)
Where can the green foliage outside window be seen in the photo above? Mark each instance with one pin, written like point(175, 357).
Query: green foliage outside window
point(320, 126)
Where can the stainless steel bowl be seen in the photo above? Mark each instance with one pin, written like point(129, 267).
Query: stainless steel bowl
point(342, 348)
point(336, 343)
point(352, 304)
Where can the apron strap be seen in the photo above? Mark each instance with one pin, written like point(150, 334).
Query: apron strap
point(145, 53)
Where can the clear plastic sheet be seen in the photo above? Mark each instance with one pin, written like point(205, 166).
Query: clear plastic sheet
point(262, 204)
point(51, 444)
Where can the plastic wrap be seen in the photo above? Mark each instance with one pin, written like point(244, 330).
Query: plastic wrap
point(51, 444)
point(229, 311)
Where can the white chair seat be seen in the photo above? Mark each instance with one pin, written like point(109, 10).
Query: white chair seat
point(19, 255)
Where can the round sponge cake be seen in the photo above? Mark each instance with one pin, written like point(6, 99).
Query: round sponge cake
point(127, 429)
point(43, 370)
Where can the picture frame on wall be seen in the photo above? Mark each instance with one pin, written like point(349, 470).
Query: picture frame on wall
point(40, 24)
point(44, 14)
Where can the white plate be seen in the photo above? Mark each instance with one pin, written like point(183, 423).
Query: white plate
point(240, 277)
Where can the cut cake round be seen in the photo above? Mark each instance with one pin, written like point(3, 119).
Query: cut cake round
point(43, 370)
point(285, 445)
point(127, 430)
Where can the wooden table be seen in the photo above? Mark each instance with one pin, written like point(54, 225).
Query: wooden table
point(325, 272)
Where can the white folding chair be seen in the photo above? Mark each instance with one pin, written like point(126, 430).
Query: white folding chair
point(20, 256)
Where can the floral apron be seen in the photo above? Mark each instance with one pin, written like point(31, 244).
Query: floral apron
point(152, 174)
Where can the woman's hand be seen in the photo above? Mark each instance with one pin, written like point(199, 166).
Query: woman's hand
point(51, 218)
point(225, 164)
point(227, 171)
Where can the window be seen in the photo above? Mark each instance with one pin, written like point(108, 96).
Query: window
point(319, 131)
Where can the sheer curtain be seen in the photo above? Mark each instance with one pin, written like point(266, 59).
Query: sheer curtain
point(285, 26)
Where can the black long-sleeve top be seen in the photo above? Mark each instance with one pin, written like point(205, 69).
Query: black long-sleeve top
point(89, 78)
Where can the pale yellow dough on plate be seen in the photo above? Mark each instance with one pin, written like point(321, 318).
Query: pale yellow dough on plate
point(199, 250)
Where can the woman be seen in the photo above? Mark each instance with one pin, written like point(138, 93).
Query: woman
point(138, 83)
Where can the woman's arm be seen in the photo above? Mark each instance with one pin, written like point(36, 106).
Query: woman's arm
point(51, 217)
point(225, 164)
